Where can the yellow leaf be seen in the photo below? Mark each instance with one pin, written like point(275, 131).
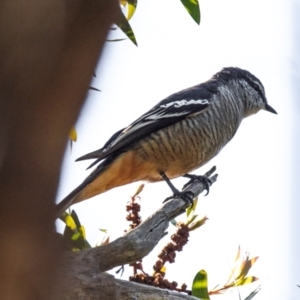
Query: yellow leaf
point(139, 190)
point(82, 231)
point(246, 266)
point(73, 135)
point(197, 224)
point(238, 254)
point(246, 280)
point(131, 8)
point(70, 222)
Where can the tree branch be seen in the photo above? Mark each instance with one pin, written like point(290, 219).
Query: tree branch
point(127, 249)
point(103, 286)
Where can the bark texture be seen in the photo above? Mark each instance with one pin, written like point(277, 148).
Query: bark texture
point(83, 273)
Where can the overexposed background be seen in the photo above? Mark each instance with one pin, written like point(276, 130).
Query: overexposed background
point(255, 200)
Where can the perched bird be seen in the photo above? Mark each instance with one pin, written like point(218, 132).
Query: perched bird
point(178, 135)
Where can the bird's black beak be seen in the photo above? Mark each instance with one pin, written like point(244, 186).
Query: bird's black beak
point(270, 109)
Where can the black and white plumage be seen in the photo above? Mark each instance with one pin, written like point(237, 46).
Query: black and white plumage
point(176, 136)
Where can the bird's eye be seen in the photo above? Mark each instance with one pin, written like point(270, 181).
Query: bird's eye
point(257, 87)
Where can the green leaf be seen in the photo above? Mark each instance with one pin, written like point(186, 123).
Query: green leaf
point(74, 233)
point(76, 219)
point(75, 236)
point(254, 293)
point(191, 219)
point(193, 8)
point(125, 27)
point(199, 287)
point(94, 89)
point(192, 208)
point(116, 40)
point(198, 224)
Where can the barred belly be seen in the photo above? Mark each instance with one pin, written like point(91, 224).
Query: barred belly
point(187, 145)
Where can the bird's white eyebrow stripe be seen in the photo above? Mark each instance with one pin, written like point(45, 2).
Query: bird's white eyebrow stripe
point(180, 103)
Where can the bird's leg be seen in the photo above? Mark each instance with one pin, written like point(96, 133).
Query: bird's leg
point(193, 178)
point(187, 196)
point(169, 183)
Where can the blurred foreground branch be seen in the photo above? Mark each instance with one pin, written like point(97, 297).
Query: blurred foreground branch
point(49, 50)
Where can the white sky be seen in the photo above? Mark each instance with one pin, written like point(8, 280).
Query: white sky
point(250, 205)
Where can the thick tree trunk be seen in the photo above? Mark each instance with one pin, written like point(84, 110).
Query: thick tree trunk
point(49, 50)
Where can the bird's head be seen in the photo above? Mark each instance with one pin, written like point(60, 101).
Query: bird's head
point(249, 88)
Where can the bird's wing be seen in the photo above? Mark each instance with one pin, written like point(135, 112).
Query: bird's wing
point(98, 153)
point(169, 111)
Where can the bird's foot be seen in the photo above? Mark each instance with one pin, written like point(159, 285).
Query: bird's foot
point(187, 196)
point(194, 178)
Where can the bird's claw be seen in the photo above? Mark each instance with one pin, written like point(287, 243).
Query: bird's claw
point(187, 196)
point(194, 178)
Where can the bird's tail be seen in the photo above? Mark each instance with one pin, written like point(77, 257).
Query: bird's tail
point(115, 170)
point(91, 155)
point(76, 193)
point(64, 204)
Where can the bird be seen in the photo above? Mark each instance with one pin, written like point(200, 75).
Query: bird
point(178, 135)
